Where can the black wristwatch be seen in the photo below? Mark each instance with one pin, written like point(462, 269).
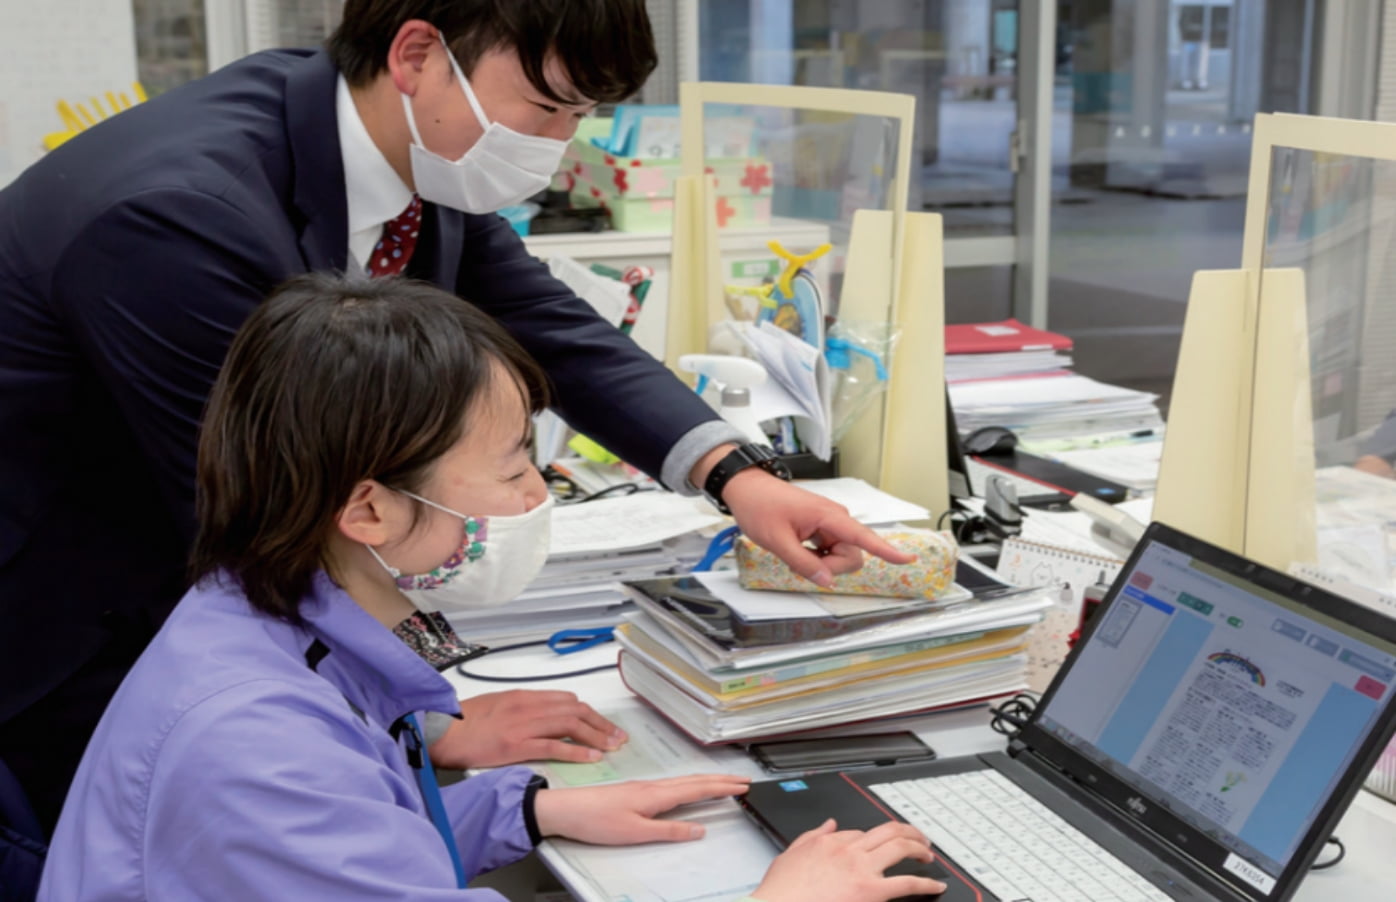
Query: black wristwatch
point(743, 456)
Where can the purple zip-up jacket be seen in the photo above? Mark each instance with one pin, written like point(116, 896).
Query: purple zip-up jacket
point(226, 768)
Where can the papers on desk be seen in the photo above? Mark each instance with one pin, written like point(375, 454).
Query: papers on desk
point(866, 504)
point(1131, 464)
point(1356, 521)
point(610, 298)
point(1052, 405)
point(626, 522)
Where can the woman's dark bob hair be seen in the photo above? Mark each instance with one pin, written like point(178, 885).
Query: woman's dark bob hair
point(330, 382)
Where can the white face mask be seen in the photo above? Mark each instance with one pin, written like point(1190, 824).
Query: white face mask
point(504, 167)
point(497, 557)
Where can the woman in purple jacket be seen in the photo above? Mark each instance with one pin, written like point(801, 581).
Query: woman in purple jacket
point(363, 467)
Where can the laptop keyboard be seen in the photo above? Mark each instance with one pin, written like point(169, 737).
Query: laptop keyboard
point(1012, 844)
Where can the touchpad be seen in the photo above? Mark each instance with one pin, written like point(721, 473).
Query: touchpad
point(956, 889)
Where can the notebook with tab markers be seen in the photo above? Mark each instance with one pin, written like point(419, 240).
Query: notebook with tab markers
point(1201, 742)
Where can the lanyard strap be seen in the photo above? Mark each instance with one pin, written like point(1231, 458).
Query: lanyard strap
point(431, 793)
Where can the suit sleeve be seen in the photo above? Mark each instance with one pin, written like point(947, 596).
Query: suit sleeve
point(154, 290)
point(604, 384)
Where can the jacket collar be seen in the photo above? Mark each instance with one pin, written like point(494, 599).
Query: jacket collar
point(373, 668)
point(319, 194)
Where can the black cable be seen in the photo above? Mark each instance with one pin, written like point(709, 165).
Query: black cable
point(1012, 715)
point(1342, 850)
point(620, 488)
point(570, 491)
point(460, 668)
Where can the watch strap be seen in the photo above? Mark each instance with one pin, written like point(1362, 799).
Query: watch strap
point(738, 459)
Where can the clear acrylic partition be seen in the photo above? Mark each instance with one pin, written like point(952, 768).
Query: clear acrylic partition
point(801, 175)
point(1333, 217)
point(960, 58)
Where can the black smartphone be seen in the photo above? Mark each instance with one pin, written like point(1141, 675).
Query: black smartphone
point(840, 752)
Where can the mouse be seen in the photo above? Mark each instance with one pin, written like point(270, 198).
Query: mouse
point(991, 440)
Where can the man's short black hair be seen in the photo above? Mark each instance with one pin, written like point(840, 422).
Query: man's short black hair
point(605, 46)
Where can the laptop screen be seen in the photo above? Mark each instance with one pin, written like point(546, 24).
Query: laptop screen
point(1236, 709)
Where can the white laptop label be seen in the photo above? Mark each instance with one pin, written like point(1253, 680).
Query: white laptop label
point(1249, 873)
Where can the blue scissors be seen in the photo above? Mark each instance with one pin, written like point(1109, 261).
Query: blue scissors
point(565, 642)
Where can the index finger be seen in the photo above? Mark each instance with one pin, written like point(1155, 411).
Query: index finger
point(672, 794)
point(892, 830)
point(843, 528)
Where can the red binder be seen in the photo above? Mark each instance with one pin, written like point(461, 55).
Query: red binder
point(1001, 337)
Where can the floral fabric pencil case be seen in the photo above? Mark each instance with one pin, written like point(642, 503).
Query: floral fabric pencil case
point(930, 575)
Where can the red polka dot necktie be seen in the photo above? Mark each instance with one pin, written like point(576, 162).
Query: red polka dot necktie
point(394, 249)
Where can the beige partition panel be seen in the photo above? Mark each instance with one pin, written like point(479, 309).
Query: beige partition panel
point(914, 465)
point(900, 444)
point(1202, 479)
point(1281, 523)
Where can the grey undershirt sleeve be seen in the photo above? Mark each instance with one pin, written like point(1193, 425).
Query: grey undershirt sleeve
point(689, 449)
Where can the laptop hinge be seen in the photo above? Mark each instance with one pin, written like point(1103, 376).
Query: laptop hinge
point(1016, 747)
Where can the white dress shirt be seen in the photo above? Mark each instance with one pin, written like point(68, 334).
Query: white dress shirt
point(375, 193)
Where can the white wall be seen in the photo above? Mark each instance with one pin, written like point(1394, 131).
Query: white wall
point(52, 50)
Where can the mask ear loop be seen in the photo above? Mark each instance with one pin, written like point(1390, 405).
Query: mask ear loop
point(465, 84)
point(412, 122)
point(392, 571)
point(465, 88)
point(472, 526)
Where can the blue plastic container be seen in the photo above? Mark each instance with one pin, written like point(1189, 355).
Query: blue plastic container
point(520, 215)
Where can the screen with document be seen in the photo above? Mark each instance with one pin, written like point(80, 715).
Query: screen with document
point(1232, 707)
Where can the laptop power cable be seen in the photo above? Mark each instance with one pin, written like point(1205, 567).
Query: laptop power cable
point(1011, 715)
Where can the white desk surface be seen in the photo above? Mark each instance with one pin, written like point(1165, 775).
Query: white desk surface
point(1368, 830)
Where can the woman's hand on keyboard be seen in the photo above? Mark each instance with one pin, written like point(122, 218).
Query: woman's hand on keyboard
point(831, 865)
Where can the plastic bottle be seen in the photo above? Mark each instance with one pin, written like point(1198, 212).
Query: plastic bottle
point(734, 377)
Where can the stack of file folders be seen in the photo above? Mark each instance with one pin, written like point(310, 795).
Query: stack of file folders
point(1006, 348)
point(726, 665)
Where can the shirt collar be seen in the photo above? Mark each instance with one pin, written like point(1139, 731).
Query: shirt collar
point(375, 192)
point(388, 678)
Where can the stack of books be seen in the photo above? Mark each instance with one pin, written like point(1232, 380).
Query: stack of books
point(723, 672)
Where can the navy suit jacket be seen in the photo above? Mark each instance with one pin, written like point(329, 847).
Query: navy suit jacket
point(128, 259)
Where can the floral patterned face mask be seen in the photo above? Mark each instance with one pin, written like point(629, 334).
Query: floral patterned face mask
point(497, 558)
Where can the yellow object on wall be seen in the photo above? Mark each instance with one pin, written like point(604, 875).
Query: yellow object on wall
point(77, 117)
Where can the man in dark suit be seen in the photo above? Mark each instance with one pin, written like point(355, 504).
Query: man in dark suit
point(131, 255)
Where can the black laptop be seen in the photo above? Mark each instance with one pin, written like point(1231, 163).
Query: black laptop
point(1200, 742)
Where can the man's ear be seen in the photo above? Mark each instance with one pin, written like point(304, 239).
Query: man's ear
point(416, 41)
point(373, 515)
